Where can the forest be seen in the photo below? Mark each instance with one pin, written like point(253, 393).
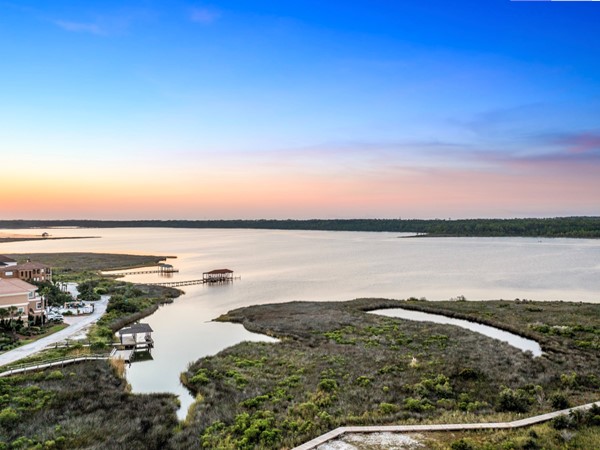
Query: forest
point(569, 227)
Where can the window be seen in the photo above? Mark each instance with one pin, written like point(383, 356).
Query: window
point(38, 305)
point(8, 274)
point(31, 294)
point(21, 310)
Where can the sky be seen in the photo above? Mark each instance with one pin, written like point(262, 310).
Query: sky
point(299, 109)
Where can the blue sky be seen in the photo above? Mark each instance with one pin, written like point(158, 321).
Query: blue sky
point(305, 97)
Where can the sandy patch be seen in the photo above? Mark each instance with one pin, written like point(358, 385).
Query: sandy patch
point(374, 441)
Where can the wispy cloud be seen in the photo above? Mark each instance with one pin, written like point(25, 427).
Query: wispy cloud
point(204, 16)
point(80, 27)
point(115, 23)
point(585, 142)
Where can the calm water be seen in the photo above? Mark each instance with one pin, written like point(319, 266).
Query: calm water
point(526, 345)
point(280, 266)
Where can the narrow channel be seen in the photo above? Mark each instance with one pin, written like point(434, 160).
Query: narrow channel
point(526, 345)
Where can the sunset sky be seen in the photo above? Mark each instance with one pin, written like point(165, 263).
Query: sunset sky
point(299, 109)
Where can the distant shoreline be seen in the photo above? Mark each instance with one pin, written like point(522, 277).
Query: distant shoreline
point(557, 227)
point(32, 238)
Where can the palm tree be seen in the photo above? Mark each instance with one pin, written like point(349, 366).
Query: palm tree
point(3, 315)
point(11, 314)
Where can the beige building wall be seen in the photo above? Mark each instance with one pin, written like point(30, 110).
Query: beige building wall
point(21, 301)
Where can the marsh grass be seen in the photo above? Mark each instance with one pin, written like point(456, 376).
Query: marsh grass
point(336, 365)
point(82, 406)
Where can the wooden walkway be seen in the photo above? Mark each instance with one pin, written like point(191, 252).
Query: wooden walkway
point(191, 282)
point(142, 272)
point(338, 432)
point(177, 283)
point(125, 355)
point(22, 368)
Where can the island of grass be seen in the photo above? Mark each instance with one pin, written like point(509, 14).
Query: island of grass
point(335, 366)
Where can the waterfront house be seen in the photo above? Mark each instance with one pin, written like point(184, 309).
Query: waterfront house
point(22, 296)
point(28, 271)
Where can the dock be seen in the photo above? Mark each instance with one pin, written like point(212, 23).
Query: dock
point(125, 355)
point(142, 272)
point(214, 276)
point(133, 339)
point(162, 269)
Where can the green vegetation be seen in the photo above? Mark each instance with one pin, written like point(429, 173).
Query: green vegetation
point(336, 365)
point(82, 406)
point(129, 302)
point(579, 430)
point(573, 227)
point(77, 267)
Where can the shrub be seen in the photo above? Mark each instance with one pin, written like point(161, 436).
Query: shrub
point(514, 401)
point(363, 381)
point(55, 375)
point(328, 385)
point(8, 416)
point(559, 401)
point(388, 408)
point(462, 444)
point(200, 378)
point(417, 405)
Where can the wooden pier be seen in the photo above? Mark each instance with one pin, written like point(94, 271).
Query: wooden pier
point(191, 282)
point(214, 276)
point(142, 272)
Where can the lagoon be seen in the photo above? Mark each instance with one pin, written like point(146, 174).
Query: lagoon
point(278, 266)
point(523, 344)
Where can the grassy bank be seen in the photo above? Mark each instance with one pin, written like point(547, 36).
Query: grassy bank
point(129, 302)
point(82, 406)
point(75, 263)
point(337, 365)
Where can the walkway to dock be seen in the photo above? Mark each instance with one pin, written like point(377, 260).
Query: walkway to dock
point(143, 272)
point(125, 355)
point(41, 365)
point(192, 282)
point(339, 432)
point(177, 283)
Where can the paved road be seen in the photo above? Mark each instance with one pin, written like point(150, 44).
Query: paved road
point(76, 325)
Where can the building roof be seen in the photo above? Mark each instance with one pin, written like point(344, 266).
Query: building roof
point(136, 328)
point(30, 265)
point(6, 259)
point(11, 287)
point(219, 271)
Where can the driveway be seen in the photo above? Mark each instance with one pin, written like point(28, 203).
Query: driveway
point(76, 326)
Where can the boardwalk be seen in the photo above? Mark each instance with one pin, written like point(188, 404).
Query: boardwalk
point(143, 272)
point(191, 282)
point(15, 370)
point(338, 432)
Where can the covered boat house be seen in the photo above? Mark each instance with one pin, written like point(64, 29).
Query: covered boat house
point(217, 276)
point(136, 336)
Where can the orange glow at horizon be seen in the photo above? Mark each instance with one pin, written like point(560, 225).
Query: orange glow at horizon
point(272, 191)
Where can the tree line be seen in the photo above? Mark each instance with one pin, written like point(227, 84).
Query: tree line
point(571, 227)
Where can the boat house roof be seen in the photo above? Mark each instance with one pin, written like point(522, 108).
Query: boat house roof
point(136, 328)
point(219, 271)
